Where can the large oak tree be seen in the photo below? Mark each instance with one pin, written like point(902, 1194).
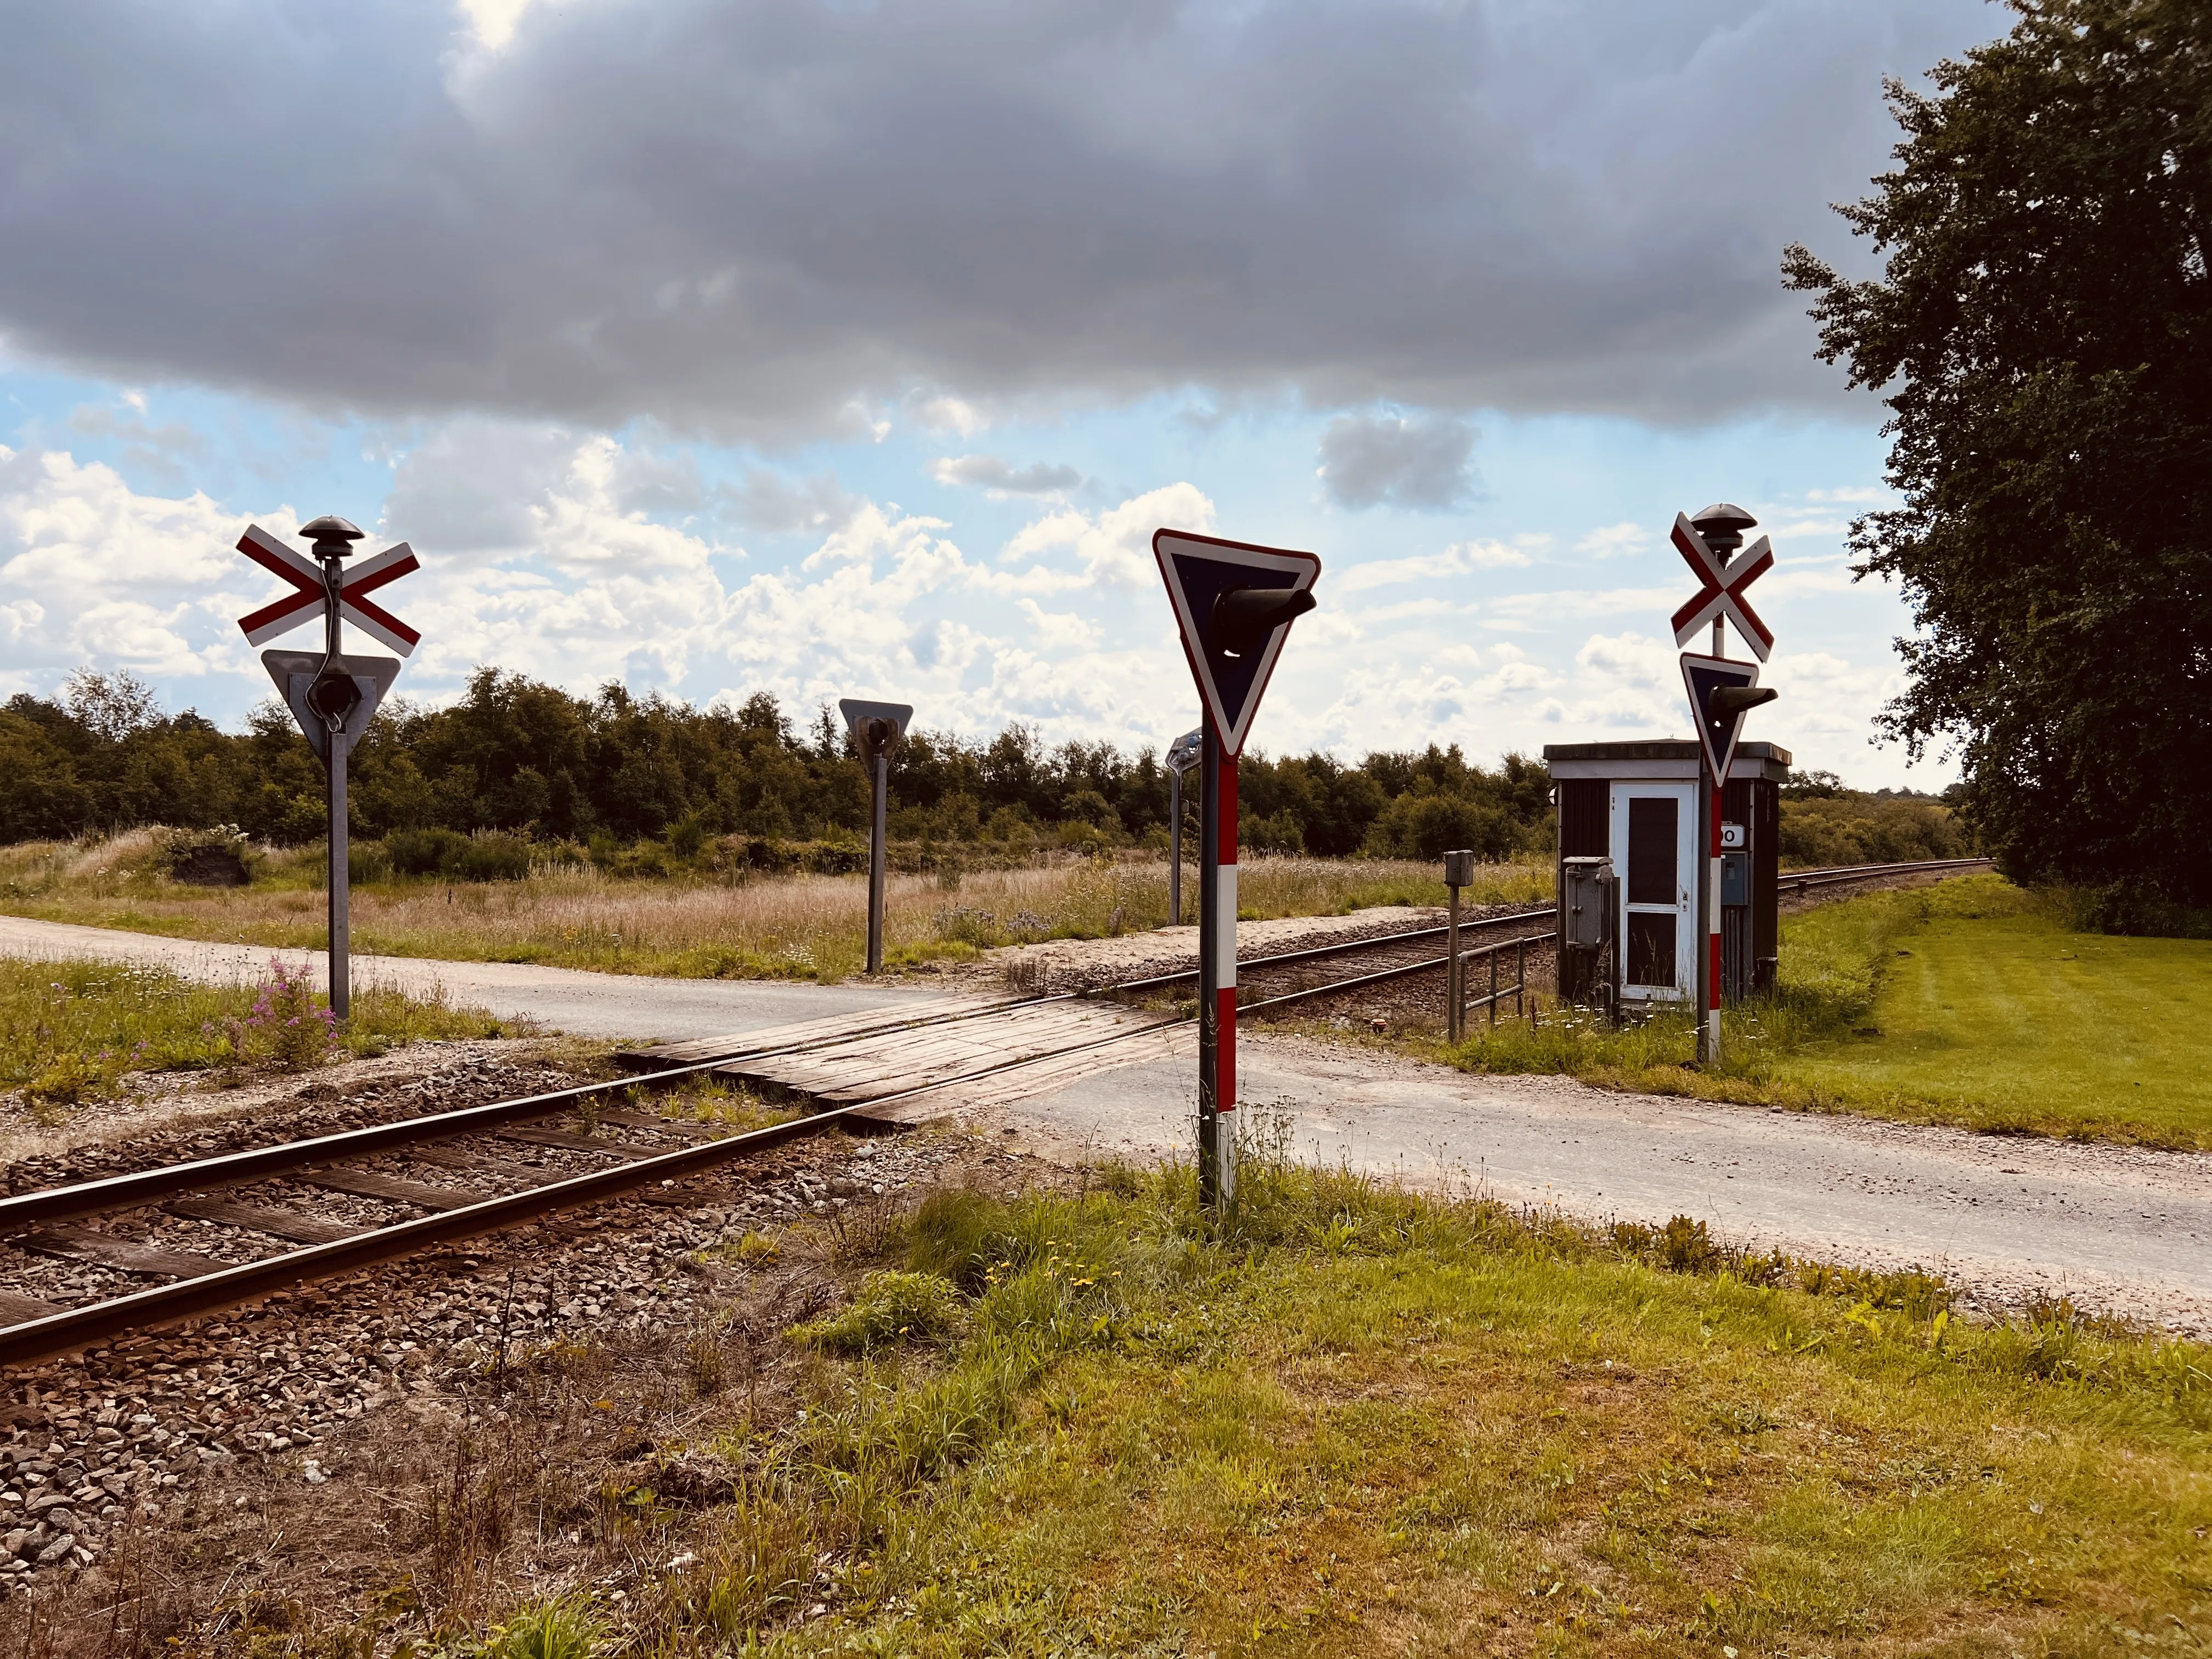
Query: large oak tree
point(2043, 331)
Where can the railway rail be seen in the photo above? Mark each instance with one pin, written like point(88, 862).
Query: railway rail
point(649, 1150)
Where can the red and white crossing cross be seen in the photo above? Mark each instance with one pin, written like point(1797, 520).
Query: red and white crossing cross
point(309, 602)
point(1722, 595)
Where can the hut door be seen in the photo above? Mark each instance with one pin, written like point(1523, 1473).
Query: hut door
point(1653, 827)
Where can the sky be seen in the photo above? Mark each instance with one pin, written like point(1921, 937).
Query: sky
point(857, 347)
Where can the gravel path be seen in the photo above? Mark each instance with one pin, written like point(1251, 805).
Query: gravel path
point(633, 1006)
point(2119, 1229)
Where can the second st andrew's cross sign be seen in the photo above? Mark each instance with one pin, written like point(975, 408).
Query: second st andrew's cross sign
point(1722, 691)
point(1234, 604)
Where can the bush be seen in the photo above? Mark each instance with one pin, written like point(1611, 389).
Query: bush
point(491, 858)
point(1428, 826)
point(2134, 905)
point(1848, 827)
point(422, 852)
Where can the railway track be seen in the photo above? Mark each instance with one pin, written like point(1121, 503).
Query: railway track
point(404, 1186)
point(1793, 882)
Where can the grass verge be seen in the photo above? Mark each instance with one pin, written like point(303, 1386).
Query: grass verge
point(1969, 1003)
point(69, 1030)
point(789, 927)
point(1358, 1421)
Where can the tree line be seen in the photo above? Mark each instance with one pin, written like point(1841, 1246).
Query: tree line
point(521, 759)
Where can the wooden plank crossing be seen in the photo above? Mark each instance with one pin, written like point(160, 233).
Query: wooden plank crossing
point(873, 1063)
point(1004, 1088)
point(920, 1013)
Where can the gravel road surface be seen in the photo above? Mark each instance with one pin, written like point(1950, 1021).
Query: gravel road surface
point(629, 1006)
point(2120, 1229)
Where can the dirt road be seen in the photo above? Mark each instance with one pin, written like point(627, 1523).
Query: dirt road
point(565, 998)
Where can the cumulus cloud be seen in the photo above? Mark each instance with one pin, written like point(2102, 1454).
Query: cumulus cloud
point(999, 478)
point(1115, 547)
point(1462, 559)
point(1612, 541)
point(1418, 461)
point(791, 213)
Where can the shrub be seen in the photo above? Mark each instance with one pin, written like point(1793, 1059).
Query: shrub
point(1428, 826)
point(422, 852)
point(491, 858)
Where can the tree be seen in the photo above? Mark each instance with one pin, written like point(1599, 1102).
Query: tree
point(2044, 329)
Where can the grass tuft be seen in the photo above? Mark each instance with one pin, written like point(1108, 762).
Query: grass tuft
point(889, 1309)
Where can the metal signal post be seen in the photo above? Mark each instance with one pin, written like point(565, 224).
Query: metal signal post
point(876, 729)
point(1234, 604)
point(334, 698)
point(1217, 973)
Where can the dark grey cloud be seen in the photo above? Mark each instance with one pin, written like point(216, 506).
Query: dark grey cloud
point(773, 217)
point(1420, 461)
point(996, 473)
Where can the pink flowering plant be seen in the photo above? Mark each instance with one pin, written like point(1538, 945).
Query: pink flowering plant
point(288, 1024)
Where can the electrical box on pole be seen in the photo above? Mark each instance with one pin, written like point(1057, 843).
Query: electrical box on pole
point(1234, 604)
point(333, 696)
point(1459, 872)
point(876, 729)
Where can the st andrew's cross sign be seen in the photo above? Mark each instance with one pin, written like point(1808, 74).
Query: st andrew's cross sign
point(309, 600)
point(1720, 597)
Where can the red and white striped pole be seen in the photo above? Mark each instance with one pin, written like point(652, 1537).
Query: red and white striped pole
point(1712, 795)
point(1216, 976)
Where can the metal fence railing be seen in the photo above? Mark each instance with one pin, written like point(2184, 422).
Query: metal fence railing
point(1518, 990)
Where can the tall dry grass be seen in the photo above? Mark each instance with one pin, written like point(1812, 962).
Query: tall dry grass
point(804, 926)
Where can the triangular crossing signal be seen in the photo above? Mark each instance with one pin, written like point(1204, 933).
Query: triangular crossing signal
point(1720, 717)
point(861, 715)
point(294, 673)
point(1232, 646)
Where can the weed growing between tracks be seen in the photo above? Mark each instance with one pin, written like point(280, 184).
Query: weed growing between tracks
point(1968, 1003)
point(69, 1030)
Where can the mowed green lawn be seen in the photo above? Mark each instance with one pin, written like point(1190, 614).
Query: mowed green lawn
point(2000, 1018)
